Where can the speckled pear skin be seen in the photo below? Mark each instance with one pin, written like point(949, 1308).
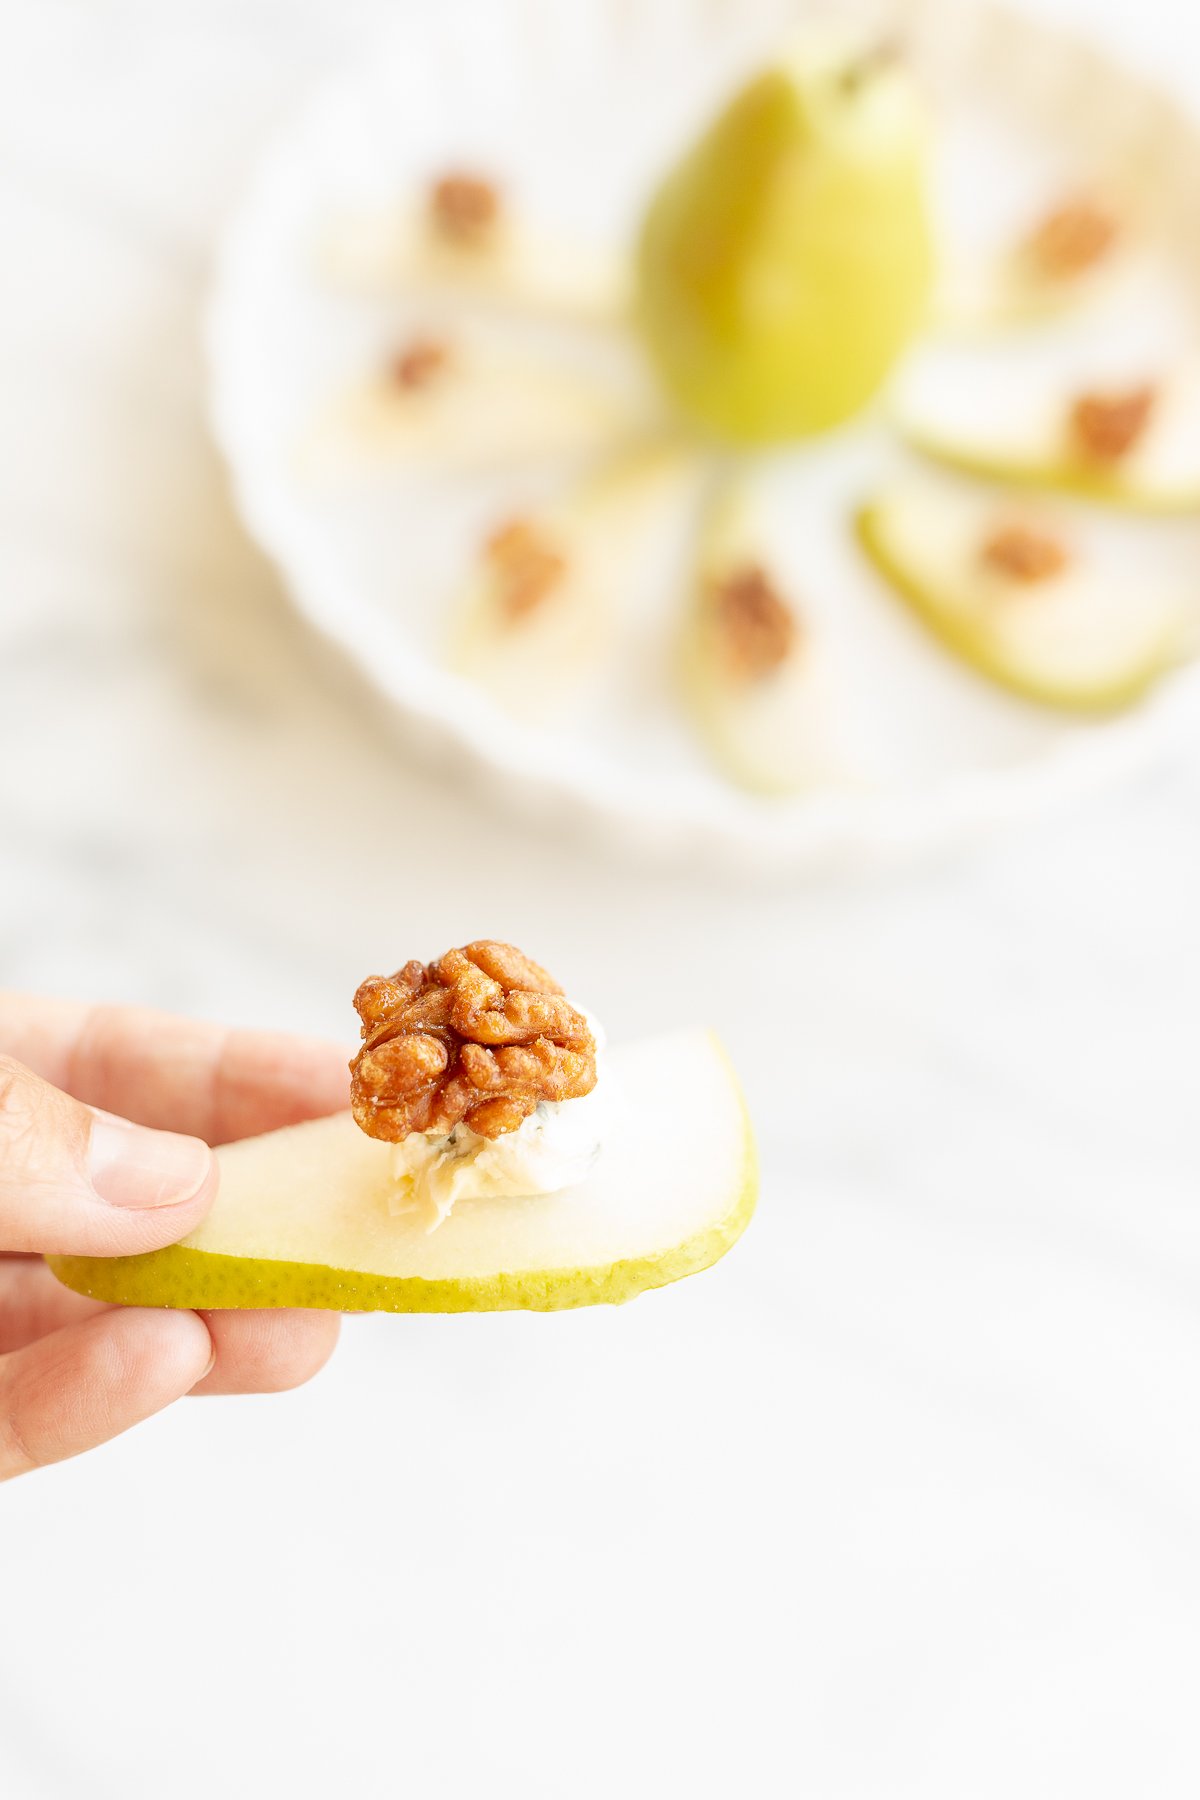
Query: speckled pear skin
point(182, 1277)
point(786, 262)
point(974, 650)
point(1076, 479)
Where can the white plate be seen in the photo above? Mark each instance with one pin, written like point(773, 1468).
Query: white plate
point(575, 108)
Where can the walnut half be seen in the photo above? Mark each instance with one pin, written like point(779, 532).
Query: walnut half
point(480, 1036)
point(528, 565)
point(420, 364)
point(464, 209)
point(1073, 239)
point(1023, 554)
point(756, 626)
point(1105, 427)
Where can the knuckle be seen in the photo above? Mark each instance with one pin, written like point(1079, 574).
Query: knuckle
point(22, 1104)
point(16, 1456)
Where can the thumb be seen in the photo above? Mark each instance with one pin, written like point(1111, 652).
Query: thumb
point(78, 1182)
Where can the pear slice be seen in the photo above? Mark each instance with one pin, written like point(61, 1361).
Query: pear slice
point(302, 1216)
point(516, 267)
point(771, 729)
point(546, 593)
point(1077, 253)
point(1003, 432)
point(1080, 639)
point(492, 402)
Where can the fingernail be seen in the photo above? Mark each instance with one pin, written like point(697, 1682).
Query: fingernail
point(130, 1166)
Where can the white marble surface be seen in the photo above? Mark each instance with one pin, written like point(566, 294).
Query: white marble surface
point(903, 1499)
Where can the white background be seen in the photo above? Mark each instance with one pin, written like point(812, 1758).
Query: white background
point(904, 1498)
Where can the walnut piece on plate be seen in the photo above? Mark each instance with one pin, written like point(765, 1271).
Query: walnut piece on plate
point(527, 563)
point(464, 208)
point(420, 363)
point(756, 625)
point(1105, 427)
point(1072, 239)
point(1022, 553)
point(481, 1037)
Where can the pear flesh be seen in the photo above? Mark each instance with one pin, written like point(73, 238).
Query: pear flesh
point(787, 260)
point(540, 664)
point(773, 733)
point(518, 267)
point(497, 403)
point(302, 1216)
point(1005, 433)
point(1084, 641)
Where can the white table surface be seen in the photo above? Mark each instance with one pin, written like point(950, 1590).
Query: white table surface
point(904, 1499)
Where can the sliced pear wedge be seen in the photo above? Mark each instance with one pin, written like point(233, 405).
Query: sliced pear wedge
point(765, 710)
point(546, 594)
point(1077, 637)
point(492, 401)
point(1006, 433)
point(515, 266)
point(1080, 252)
point(302, 1216)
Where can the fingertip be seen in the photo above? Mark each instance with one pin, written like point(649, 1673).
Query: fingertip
point(147, 1189)
point(158, 1353)
point(88, 1382)
point(268, 1351)
point(135, 1168)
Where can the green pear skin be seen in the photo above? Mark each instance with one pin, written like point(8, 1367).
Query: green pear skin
point(788, 260)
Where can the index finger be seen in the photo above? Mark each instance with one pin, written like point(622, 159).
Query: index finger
point(175, 1074)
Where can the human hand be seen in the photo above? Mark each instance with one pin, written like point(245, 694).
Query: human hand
point(76, 1177)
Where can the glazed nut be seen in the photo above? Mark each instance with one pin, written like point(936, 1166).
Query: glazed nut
point(481, 1036)
point(756, 626)
point(527, 566)
point(1023, 554)
point(420, 363)
point(463, 208)
point(1073, 239)
point(1105, 427)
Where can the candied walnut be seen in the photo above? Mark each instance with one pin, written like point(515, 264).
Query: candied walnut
point(527, 564)
point(1105, 427)
point(420, 363)
point(1073, 239)
point(757, 627)
point(482, 1035)
point(1023, 554)
point(464, 208)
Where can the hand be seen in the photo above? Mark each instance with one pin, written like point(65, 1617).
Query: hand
point(77, 1177)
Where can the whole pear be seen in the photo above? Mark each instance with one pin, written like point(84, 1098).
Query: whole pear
point(785, 263)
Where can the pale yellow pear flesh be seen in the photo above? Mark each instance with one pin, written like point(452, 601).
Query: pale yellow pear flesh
point(303, 1216)
point(517, 265)
point(1020, 439)
point(537, 665)
point(495, 404)
point(1082, 642)
point(772, 733)
point(787, 260)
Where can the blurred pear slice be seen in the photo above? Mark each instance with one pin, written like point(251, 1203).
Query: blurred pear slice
point(1002, 431)
point(549, 588)
point(754, 671)
point(1077, 253)
point(398, 252)
point(493, 401)
point(302, 1215)
point(786, 261)
point(1079, 637)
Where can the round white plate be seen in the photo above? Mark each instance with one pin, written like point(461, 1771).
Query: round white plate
point(575, 108)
